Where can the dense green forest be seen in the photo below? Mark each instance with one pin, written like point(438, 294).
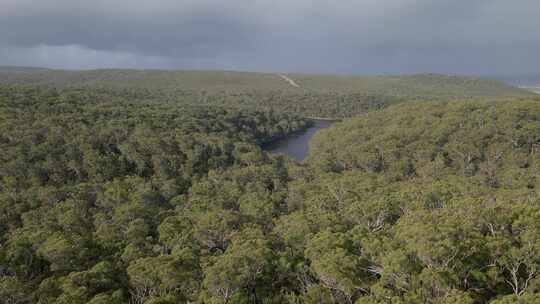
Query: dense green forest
point(147, 196)
point(93, 188)
point(323, 96)
point(431, 203)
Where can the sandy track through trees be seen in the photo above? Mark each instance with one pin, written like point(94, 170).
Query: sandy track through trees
point(289, 80)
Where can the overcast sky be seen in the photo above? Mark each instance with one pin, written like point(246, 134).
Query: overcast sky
point(314, 36)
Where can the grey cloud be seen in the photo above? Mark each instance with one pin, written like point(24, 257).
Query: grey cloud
point(362, 36)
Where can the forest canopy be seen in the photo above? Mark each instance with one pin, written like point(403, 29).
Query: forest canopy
point(135, 196)
point(315, 96)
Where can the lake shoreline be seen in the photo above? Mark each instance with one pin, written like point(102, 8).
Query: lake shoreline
point(310, 123)
point(296, 145)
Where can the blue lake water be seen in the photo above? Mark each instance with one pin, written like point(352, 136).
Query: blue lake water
point(297, 145)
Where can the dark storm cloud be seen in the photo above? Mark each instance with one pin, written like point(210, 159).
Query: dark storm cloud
point(172, 33)
point(362, 36)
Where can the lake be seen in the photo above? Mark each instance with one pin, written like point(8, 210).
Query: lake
point(297, 145)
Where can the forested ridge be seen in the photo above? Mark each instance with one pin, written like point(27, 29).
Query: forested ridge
point(323, 96)
point(137, 195)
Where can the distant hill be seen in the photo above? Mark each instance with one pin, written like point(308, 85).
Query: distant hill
point(323, 96)
point(527, 82)
point(409, 85)
point(426, 85)
point(20, 69)
point(521, 80)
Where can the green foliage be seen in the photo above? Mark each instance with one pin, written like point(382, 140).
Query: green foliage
point(439, 199)
point(13, 290)
point(107, 198)
point(318, 95)
point(243, 264)
point(174, 277)
point(118, 196)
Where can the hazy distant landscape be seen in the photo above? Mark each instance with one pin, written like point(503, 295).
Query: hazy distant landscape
point(406, 85)
point(322, 96)
point(149, 186)
point(533, 88)
point(269, 152)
